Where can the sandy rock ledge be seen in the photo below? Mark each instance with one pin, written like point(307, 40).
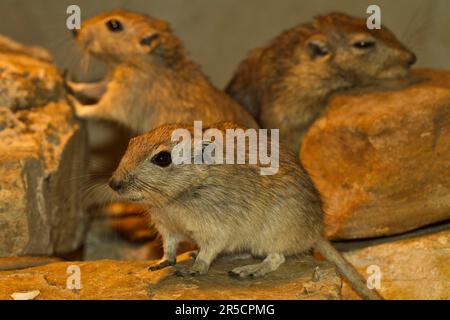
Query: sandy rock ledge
point(109, 279)
point(416, 268)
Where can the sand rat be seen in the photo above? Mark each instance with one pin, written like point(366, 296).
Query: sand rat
point(287, 83)
point(152, 80)
point(226, 208)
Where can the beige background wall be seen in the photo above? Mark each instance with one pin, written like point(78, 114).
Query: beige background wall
point(219, 32)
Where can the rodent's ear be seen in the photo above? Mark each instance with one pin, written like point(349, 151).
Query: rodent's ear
point(150, 42)
point(317, 47)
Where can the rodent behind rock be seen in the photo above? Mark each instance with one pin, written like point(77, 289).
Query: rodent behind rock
point(152, 80)
point(227, 208)
point(287, 83)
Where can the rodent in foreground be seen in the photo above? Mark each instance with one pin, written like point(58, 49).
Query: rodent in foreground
point(152, 80)
point(287, 83)
point(228, 209)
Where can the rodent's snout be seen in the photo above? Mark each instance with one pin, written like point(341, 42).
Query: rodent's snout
point(116, 184)
point(75, 32)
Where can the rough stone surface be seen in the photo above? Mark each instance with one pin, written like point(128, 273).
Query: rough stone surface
point(382, 160)
point(8, 45)
point(42, 160)
point(24, 262)
point(27, 79)
point(416, 268)
point(131, 280)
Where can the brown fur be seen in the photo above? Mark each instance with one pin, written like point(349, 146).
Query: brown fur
point(227, 208)
point(284, 85)
point(150, 84)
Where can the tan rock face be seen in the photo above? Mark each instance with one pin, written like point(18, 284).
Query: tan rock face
point(27, 79)
point(131, 280)
point(42, 160)
point(24, 262)
point(382, 160)
point(417, 268)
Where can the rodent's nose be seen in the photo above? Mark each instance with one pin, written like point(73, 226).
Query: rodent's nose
point(115, 184)
point(75, 32)
point(412, 60)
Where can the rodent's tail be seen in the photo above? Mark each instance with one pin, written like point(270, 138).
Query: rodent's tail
point(346, 269)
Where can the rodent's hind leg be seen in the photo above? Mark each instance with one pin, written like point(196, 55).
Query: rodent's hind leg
point(269, 264)
point(201, 263)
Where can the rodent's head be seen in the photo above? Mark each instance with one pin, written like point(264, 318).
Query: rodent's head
point(124, 36)
point(146, 172)
point(154, 169)
point(338, 50)
point(149, 173)
point(345, 44)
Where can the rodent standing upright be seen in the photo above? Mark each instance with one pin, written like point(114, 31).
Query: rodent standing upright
point(287, 84)
point(227, 208)
point(152, 79)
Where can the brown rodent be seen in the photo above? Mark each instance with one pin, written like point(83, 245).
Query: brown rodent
point(226, 208)
point(152, 80)
point(287, 83)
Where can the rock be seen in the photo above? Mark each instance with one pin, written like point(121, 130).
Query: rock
point(381, 160)
point(30, 295)
point(9, 46)
point(14, 263)
point(42, 163)
point(416, 268)
point(131, 280)
point(27, 79)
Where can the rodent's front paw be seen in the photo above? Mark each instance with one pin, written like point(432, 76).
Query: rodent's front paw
point(81, 111)
point(161, 265)
point(77, 106)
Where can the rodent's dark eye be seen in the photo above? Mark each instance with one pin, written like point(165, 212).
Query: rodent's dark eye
point(364, 44)
point(114, 25)
point(162, 159)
